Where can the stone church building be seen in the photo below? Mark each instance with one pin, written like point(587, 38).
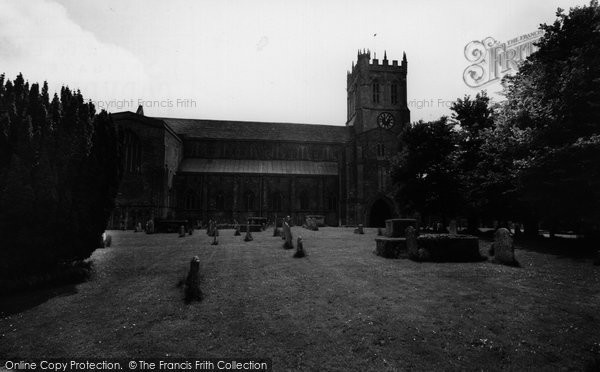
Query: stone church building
point(199, 169)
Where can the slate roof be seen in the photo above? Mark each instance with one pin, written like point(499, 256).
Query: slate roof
point(248, 130)
point(259, 166)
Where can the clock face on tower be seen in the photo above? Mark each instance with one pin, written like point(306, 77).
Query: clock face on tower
point(385, 120)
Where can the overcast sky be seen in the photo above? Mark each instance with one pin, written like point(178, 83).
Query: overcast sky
point(252, 60)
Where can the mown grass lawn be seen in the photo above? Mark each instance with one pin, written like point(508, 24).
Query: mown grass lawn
point(341, 308)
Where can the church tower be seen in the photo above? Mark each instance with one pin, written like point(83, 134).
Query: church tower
point(377, 93)
point(377, 114)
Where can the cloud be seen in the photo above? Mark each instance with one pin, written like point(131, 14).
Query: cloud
point(39, 39)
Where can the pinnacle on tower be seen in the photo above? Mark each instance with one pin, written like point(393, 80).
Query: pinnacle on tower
point(384, 55)
point(403, 56)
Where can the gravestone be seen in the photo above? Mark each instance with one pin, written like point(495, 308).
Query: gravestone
point(248, 237)
point(181, 231)
point(288, 236)
point(452, 229)
point(503, 248)
point(192, 282)
point(411, 242)
point(283, 228)
point(299, 249)
point(150, 227)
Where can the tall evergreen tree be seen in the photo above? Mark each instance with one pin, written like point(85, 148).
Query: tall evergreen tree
point(59, 174)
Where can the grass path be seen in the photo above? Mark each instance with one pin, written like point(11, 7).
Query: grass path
point(341, 308)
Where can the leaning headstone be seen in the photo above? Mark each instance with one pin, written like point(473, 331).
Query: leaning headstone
point(284, 227)
point(288, 236)
point(503, 248)
point(212, 228)
point(411, 243)
point(181, 231)
point(452, 229)
point(299, 249)
point(192, 282)
point(248, 237)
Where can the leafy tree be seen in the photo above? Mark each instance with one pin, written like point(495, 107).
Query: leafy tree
point(425, 169)
point(556, 96)
point(474, 117)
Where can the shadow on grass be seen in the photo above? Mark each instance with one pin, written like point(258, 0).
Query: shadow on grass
point(576, 249)
point(19, 302)
point(19, 293)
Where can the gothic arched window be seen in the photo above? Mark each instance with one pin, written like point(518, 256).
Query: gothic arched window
point(132, 152)
point(332, 202)
point(375, 91)
point(249, 200)
point(380, 150)
point(220, 201)
point(190, 200)
point(394, 93)
point(277, 201)
point(303, 200)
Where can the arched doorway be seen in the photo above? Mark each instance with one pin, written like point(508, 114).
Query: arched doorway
point(380, 211)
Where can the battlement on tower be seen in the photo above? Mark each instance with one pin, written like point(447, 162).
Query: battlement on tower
point(365, 62)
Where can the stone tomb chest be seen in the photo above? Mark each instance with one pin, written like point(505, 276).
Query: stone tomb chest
point(395, 227)
point(318, 218)
point(427, 247)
